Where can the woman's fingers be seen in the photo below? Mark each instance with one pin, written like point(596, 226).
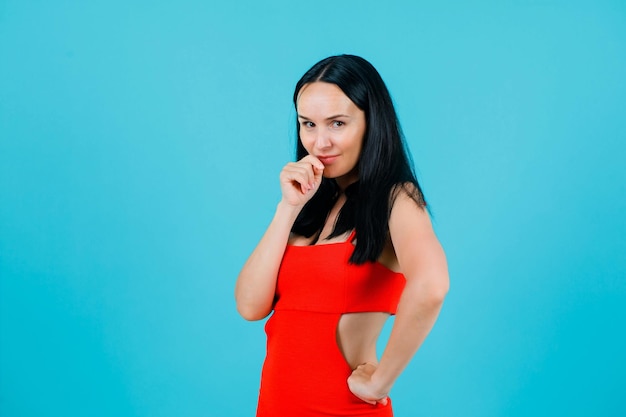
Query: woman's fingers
point(313, 161)
point(300, 179)
point(317, 168)
point(314, 169)
point(300, 174)
point(360, 383)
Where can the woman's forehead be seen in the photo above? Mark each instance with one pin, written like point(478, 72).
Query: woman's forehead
point(320, 99)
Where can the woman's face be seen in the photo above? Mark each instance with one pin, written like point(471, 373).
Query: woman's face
point(332, 129)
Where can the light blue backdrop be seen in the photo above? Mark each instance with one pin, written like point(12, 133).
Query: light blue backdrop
point(140, 144)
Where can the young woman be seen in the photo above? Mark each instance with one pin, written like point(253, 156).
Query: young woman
point(350, 243)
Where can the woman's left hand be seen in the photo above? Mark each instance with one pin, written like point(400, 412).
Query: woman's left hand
point(361, 385)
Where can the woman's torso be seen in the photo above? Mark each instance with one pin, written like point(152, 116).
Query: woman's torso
point(357, 333)
point(327, 316)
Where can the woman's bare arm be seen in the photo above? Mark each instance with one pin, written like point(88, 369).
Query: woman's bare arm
point(254, 290)
point(256, 284)
point(423, 263)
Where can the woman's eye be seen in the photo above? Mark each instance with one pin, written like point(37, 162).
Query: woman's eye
point(308, 124)
point(337, 123)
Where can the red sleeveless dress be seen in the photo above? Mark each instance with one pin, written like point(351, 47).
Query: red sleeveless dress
point(305, 373)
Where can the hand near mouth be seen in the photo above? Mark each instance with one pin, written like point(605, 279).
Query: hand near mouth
point(300, 180)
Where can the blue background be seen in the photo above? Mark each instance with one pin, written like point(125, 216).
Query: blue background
point(140, 145)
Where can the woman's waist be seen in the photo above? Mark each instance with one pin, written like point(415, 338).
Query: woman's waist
point(305, 335)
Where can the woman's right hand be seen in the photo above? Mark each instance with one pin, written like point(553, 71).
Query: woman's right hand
point(300, 180)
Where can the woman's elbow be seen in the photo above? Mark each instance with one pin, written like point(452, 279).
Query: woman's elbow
point(439, 291)
point(431, 291)
point(251, 313)
point(440, 287)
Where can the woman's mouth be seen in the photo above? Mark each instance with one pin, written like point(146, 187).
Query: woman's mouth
point(327, 160)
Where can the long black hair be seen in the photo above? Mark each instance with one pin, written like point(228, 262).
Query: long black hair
point(384, 167)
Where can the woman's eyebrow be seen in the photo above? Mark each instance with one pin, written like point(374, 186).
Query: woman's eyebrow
point(328, 118)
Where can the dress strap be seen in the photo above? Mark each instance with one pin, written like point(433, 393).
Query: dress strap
point(352, 236)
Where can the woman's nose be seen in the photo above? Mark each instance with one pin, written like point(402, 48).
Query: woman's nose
point(322, 141)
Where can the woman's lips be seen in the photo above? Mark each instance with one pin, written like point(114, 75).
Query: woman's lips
point(327, 160)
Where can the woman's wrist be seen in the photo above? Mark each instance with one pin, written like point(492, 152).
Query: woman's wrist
point(283, 208)
point(381, 383)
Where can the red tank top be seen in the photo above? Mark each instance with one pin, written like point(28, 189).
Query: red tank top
point(305, 373)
